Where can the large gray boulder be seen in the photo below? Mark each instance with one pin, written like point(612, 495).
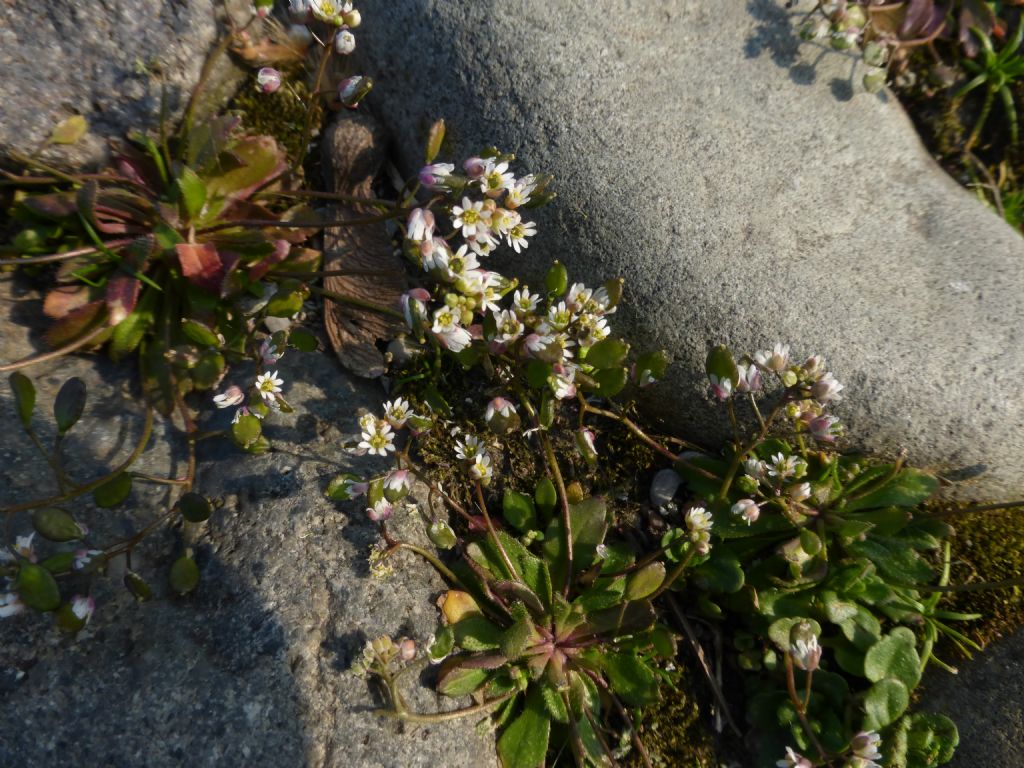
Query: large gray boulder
point(749, 191)
point(253, 667)
point(111, 62)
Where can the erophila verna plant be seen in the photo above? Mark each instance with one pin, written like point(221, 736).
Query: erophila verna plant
point(821, 569)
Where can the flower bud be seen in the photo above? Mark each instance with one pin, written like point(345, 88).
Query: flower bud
point(800, 491)
point(803, 646)
point(397, 484)
point(474, 167)
point(380, 511)
point(268, 80)
point(73, 616)
point(501, 416)
point(585, 445)
point(353, 89)
point(442, 534)
point(420, 225)
point(434, 177)
point(344, 43)
point(747, 509)
point(352, 19)
point(407, 649)
point(263, 8)
point(746, 484)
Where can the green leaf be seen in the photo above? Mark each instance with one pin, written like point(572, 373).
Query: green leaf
point(457, 680)
point(722, 573)
point(895, 559)
point(194, 507)
point(908, 488)
point(524, 742)
point(604, 594)
point(37, 587)
point(69, 130)
point(516, 639)
point(607, 353)
point(862, 629)
point(518, 510)
point(259, 160)
point(630, 678)
point(589, 520)
point(537, 373)
point(56, 524)
point(246, 431)
point(554, 703)
point(895, 656)
point(884, 702)
point(201, 333)
point(644, 582)
point(114, 491)
point(286, 304)
point(721, 365)
point(193, 193)
point(475, 633)
point(184, 575)
point(70, 402)
point(303, 340)
point(931, 739)
point(444, 643)
point(611, 381)
point(24, 397)
point(651, 365)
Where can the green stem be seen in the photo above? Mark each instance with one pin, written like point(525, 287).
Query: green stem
point(494, 534)
point(799, 707)
point(52, 257)
point(428, 556)
point(53, 354)
point(339, 298)
point(147, 431)
point(742, 453)
point(990, 96)
point(444, 717)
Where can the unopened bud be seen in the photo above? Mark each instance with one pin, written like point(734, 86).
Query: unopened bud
point(501, 416)
point(268, 80)
point(353, 89)
point(397, 485)
point(407, 649)
point(352, 19)
point(344, 43)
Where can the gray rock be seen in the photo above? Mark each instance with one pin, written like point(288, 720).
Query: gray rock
point(984, 700)
point(252, 668)
point(664, 486)
point(749, 191)
point(107, 61)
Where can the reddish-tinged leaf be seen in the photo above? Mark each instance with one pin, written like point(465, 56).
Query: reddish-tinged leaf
point(57, 205)
point(64, 299)
point(201, 264)
point(260, 162)
point(76, 323)
point(122, 293)
point(260, 268)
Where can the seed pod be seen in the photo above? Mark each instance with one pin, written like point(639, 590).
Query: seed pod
point(138, 586)
point(184, 576)
point(37, 588)
point(442, 534)
point(195, 507)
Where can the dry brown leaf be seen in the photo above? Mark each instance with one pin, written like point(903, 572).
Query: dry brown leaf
point(354, 146)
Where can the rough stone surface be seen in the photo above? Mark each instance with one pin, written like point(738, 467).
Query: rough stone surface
point(748, 190)
point(105, 61)
point(252, 667)
point(985, 702)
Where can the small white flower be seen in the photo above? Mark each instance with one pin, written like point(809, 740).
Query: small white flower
point(83, 608)
point(420, 225)
point(483, 244)
point(563, 381)
point(10, 604)
point(750, 378)
point(378, 441)
point(524, 302)
point(468, 447)
point(782, 467)
point(480, 469)
point(722, 388)
point(397, 412)
point(474, 167)
point(269, 353)
point(502, 220)
point(448, 331)
point(499, 406)
point(824, 428)
point(496, 178)
point(748, 509)
point(827, 389)
point(83, 557)
point(268, 385)
point(433, 177)
point(591, 329)
point(330, 11)
point(755, 468)
point(775, 359)
point(517, 235)
point(520, 192)
point(471, 217)
point(806, 652)
point(800, 491)
point(268, 80)
point(793, 760)
point(380, 511)
point(23, 547)
point(865, 744)
point(367, 422)
point(508, 327)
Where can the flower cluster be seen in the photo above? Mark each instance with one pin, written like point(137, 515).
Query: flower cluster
point(264, 395)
